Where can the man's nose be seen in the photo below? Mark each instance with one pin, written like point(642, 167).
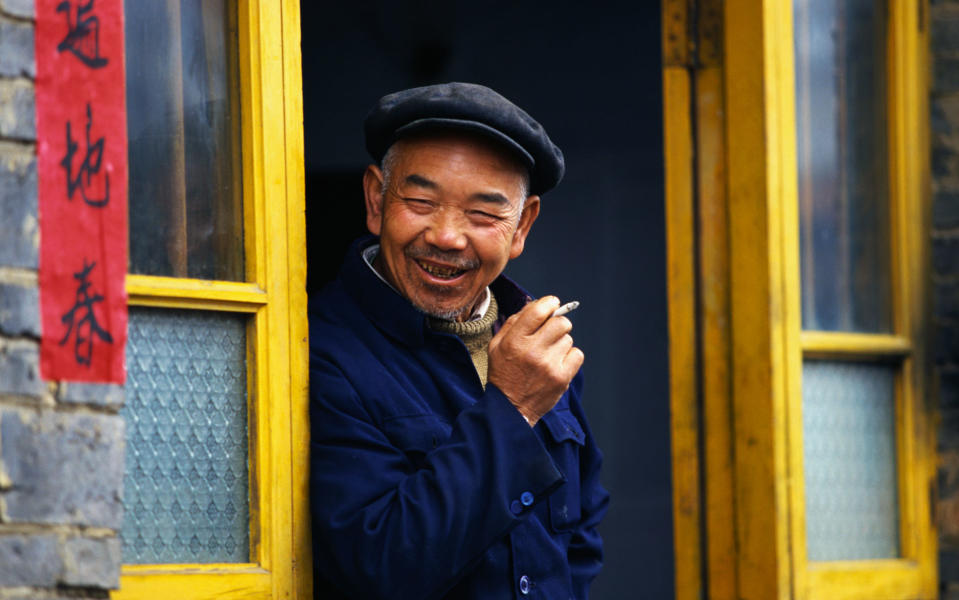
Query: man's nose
point(447, 231)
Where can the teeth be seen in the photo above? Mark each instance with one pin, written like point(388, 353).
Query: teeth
point(443, 272)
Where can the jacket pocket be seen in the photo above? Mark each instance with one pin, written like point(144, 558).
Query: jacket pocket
point(567, 438)
point(416, 435)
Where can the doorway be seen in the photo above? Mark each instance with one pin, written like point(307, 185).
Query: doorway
point(592, 77)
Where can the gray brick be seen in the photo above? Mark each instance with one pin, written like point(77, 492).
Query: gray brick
point(945, 343)
point(18, 8)
point(948, 439)
point(64, 468)
point(945, 256)
point(946, 300)
point(29, 560)
point(945, 210)
point(59, 593)
point(944, 161)
point(19, 310)
point(940, 120)
point(949, 390)
point(945, 73)
point(91, 562)
point(20, 369)
point(944, 30)
point(17, 118)
point(19, 232)
point(16, 50)
point(99, 394)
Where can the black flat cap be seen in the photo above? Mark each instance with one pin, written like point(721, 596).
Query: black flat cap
point(471, 107)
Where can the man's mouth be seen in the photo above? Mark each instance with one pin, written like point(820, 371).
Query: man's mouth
point(439, 271)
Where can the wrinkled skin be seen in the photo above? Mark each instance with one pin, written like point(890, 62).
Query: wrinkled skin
point(450, 218)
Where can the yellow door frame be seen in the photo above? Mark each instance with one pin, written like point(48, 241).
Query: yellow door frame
point(736, 345)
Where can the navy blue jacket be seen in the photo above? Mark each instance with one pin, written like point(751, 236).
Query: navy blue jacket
point(422, 484)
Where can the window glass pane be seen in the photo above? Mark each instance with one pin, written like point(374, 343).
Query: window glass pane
point(849, 454)
point(183, 122)
point(843, 164)
point(185, 493)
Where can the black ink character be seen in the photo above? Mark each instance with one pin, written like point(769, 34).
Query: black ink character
point(89, 167)
point(83, 346)
point(83, 35)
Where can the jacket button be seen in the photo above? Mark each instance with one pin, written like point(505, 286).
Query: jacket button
point(526, 498)
point(515, 507)
point(524, 585)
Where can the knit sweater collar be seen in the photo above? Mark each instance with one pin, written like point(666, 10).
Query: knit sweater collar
point(469, 331)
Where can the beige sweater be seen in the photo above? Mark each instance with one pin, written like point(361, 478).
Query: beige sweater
point(475, 335)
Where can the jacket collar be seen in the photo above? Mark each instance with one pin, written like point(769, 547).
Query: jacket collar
point(395, 315)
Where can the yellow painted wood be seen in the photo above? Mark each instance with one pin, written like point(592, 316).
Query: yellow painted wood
point(830, 344)
point(172, 292)
point(200, 583)
point(684, 411)
point(301, 559)
point(274, 245)
point(761, 165)
point(864, 580)
point(713, 251)
point(909, 118)
point(699, 302)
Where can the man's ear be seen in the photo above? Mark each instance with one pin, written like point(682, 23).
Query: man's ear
point(373, 193)
point(530, 212)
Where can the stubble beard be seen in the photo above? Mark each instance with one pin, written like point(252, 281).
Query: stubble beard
point(455, 259)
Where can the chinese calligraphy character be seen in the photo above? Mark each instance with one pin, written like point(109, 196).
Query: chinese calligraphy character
point(79, 32)
point(83, 346)
point(89, 167)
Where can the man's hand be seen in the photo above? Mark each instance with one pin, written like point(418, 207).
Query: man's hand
point(532, 358)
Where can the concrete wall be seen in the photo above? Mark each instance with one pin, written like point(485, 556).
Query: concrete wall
point(944, 288)
point(61, 445)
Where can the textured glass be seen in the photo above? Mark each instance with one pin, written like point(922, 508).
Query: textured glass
point(849, 454)
point(843, 164)
point(185, 494)
point(183, 124)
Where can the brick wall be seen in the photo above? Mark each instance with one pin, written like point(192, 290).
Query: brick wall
point(944, 288)
point(61, 445)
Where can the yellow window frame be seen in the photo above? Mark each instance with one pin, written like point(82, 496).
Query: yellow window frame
point(914, 574)
point(735, 321)
point(274, 297)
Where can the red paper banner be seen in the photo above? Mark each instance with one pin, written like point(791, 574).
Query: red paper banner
point(82, 170)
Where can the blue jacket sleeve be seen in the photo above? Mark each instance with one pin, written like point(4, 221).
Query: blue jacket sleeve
point(586, 547)
point(385, 528)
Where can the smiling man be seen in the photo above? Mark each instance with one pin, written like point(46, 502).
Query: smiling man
point(450, 455)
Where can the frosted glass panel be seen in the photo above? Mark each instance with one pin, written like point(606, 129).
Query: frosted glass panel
point(185, 492)
point(849, 453)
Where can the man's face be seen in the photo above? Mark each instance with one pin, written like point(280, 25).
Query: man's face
point(451, 217)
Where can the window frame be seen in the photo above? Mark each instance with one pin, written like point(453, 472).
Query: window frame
point(913, 574)
point(737, 347)
point(274, 296)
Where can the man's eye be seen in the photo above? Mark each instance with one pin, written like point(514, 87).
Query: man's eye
point(479, 214)
point(418, 202)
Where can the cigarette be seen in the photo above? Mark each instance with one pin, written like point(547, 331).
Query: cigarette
point(566, 308)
